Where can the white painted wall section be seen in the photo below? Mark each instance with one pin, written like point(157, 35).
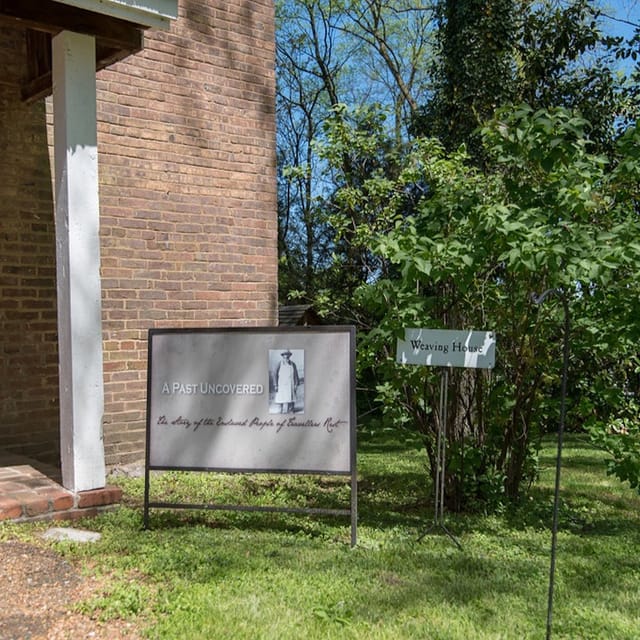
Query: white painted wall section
point(78, 262)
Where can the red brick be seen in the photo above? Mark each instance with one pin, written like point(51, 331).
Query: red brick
point(7, 486)
point(62, 502)
point(59, 499)
point(35, 505)
point(99, 497)
point(9, 508)
point(8, 473)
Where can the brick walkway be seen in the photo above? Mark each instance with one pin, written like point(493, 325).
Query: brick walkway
point(31, 491)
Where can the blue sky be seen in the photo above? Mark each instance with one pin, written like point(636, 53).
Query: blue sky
point(625, 11)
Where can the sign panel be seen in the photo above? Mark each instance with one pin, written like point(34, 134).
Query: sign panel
point(252, 400)
point(445, 348)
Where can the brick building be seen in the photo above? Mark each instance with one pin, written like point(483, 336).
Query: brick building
point(185, 122)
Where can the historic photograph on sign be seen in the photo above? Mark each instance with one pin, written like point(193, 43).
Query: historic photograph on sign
point(240, 399)
point(286, 381)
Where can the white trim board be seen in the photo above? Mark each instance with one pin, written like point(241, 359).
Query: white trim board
point(149, 13)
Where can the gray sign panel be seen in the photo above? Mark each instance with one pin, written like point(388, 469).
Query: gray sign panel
point(252, 400)
point(446, 348)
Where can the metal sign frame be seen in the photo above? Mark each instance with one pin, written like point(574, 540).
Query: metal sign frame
point(171, 352)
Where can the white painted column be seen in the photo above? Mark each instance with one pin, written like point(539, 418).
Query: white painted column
point(78, 261)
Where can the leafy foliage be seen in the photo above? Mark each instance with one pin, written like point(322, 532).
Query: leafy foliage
point(460, 248)
point(499, 52)
point(621, 438)
point(433, 201)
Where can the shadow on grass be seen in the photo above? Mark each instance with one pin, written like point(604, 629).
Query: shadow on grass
point(579, 512)
point(383, 502)
point(586, 505)
point(394, 492)
point(404, 502)
point(389, 583)
point(405, 578)
point(577, 453)
point(388, 441)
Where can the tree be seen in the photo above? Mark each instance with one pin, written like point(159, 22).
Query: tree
point(498, 52)
point(308, 73)
point(386, 212)
point(474, 72)
point(465, 249)
point(332, 52)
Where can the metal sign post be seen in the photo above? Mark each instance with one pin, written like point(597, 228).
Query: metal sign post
point(441, 457)
point(563, 408)
point(445, 348)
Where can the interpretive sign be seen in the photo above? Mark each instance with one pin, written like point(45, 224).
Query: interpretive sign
point(252, 400)
point(446, 348)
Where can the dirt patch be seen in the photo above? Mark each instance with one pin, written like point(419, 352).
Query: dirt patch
point(38, 592)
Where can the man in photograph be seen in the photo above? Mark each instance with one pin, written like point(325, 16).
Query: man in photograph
point(286, 383)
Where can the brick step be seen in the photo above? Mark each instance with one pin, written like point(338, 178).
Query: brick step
point(28, 494)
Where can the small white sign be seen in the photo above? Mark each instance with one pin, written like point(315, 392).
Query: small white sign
point(445, 348)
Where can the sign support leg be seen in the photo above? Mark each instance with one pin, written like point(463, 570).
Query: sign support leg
point(354, 507)
point(441, 456)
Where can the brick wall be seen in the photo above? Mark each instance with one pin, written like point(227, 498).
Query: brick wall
point(186, 135)
point(29, 421)
point(188, 209)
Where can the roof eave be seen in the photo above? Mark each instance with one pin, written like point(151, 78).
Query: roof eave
point(155, 14)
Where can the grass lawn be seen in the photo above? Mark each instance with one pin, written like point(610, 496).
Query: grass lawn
point(280, 576)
